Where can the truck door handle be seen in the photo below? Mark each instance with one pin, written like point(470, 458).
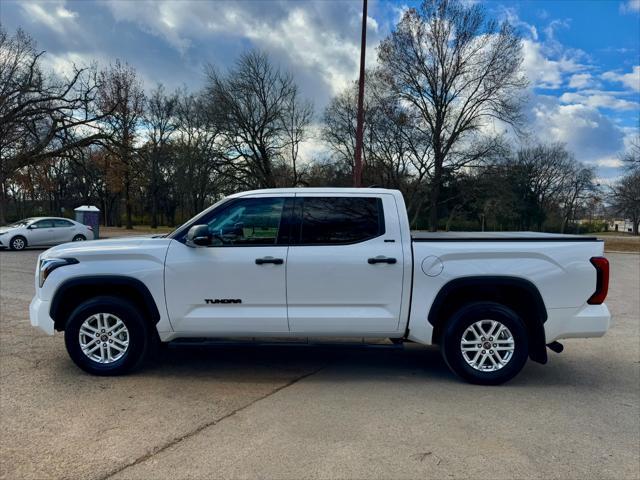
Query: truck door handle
point(275, 261)
point(388, 260)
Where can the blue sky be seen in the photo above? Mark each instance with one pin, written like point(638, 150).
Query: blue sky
point(582, 56)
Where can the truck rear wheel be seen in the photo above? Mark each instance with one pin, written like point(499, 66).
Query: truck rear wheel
point(485, 343)
point(107, 336)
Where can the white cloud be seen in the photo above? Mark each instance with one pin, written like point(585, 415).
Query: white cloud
point(589, 134)
point(62, 12)
point(598, 99)
point(63, 64)
point(320, 40)
point(544, 72)
point(315, 48)
point(630, 6)
point(54, 15)
point(511, 16)
point(630, 80)
point(550, 29)
point(580, 80)
point(609, 162)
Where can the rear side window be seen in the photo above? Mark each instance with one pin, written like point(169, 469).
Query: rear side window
point(340, 220)
point(62, 223)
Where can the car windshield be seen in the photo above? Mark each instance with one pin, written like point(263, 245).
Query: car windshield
point(20, 223)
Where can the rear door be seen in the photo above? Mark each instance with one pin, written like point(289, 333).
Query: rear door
point(64, 230)
point(345, 269)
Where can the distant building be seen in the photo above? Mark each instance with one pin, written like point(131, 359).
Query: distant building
point(621, 225)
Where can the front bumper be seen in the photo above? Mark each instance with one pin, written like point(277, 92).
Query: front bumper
point(585, 322)
point(39, 315)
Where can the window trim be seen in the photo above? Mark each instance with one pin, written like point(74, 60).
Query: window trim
point(296, 239)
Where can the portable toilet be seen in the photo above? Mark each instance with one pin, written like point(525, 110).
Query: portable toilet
point(89, 215)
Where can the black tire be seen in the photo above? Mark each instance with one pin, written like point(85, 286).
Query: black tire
point(18, 243)
point(467, 316)
point(139, 335)
point(79, 238)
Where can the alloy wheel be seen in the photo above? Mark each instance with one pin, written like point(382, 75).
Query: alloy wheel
point(17, 243)
point(487, 345)
point(104, 338)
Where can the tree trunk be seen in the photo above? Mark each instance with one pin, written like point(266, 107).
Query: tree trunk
point(127, 200)
point(565, 222)
point(154, 192)
point(416, 214)
point(435, 195)
point(452, 214)
point(4, 201)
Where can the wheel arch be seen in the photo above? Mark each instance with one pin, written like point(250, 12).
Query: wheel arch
point(76, 290)
point(516, 293)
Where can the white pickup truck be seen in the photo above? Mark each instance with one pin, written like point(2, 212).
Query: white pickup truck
point(324, 262)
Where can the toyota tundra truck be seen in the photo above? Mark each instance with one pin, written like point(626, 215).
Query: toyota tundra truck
point(324, 262)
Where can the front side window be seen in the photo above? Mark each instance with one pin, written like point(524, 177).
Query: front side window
point(42, 224)
point(340, 220)
point(251, 221)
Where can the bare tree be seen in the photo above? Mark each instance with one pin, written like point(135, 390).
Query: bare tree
point(198, 153)
point(631, 158)
point(579, 189)
point(161, 121)
point(296, 119)
point(545, 174)
point(459, 71)
point(625, 198)
point(396, 152)
point(41, 116)
point(258, 110)
point(121, 99)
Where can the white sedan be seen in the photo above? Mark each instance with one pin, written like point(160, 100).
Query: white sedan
point(43, 231)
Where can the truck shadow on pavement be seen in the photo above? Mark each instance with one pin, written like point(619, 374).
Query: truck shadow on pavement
point(339, 363)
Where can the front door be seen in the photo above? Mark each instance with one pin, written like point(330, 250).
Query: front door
point(345, 274)
point(41, 233)
point(236, 286)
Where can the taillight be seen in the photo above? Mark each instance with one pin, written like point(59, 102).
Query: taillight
point(90, 227)
point(602, 280)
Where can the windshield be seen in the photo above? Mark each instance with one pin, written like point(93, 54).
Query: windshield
point(20, 223)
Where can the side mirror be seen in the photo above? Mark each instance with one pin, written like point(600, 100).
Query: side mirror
point(31, 227)
point(199, 236)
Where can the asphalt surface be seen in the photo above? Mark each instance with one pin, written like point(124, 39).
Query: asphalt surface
point(311, 412)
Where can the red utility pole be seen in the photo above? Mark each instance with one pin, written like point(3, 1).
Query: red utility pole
point(357, 170)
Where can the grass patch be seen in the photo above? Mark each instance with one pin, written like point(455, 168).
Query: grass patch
point(621, 243)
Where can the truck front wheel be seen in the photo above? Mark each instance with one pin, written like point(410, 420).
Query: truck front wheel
point(107, 336)
point(485, 343)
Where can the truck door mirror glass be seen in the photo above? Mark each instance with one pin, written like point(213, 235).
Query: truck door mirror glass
point(199, 236)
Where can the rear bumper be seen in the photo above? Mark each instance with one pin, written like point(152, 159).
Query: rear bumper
point(584, 322)
point(39, 315)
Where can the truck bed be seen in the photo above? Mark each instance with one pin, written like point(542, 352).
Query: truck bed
point(421, 236)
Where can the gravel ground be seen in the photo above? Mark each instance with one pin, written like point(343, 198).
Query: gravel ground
point(311, 412)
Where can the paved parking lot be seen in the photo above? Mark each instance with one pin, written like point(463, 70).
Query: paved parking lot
point(299, 412)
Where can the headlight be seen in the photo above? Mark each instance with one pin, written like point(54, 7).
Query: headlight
point(48, 265)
